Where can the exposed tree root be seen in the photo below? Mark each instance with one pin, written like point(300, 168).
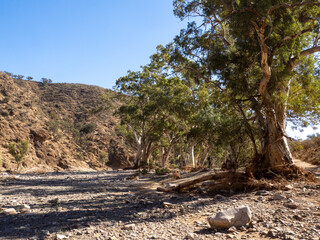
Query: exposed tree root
point(223, 182)
point(287, 171)
point(231, 182)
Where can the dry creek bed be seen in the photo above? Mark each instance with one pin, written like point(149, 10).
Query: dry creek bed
point(111, 205)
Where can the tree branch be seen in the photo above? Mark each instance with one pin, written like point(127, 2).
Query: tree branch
point(292, 62)
point(271, 29)
point(286, 38)
point(310, 51)
point(286, 5)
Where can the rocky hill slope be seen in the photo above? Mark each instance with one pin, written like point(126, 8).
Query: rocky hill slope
point(68, 126)
point(308, 150)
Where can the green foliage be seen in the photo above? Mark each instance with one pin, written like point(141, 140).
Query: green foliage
point(227, 83)
point(53, 126)
point(104, 158)
point(87, 128)
point(162, 171)
point(8, 73)
point(18, 151)
point(46, 81)
point(297, 147)
point(79, 131)
point(20, 77)
point(259, 54)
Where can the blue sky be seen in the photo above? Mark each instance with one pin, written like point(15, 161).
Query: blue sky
point(83, 41)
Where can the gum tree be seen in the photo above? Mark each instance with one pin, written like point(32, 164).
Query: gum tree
point(262, 57)
point(152, 112)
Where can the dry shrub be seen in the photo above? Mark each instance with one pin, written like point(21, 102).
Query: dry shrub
point(307, 144)
point(175, 174)
point(238, 182)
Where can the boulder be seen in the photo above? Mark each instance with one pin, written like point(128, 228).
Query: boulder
point(237, 217)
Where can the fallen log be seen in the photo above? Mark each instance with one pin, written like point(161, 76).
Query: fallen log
point(192, 181)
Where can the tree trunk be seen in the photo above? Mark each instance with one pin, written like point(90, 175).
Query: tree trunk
point(275, 149)
point(137, 160)
point(204, 155)
point(192, 154)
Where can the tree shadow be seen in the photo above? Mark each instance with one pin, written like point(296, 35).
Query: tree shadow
point(84, 199)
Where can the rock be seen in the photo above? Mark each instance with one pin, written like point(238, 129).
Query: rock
point(167, 205)
point(54, 201)
point(60, 236)
point(25, 209)
point(292, 205)
point(288, 187)
point(45, 232)
point(219, 197)
point(271, 234)
point(131, 226)
point(231, 217)
point(190, 236)
point(112, 238)
point(9, 211)
point(232, 229)
point(297, 217)
point(262, 193)
point(278, 197)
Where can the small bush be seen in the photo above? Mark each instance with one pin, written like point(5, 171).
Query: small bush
point(88, 128)
point(104, 158)
point(18, 151)
point(53, 126)
point(46, 81)
point(162, 171)
point(297, 147)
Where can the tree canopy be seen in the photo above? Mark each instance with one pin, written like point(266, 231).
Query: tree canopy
point(241, 65)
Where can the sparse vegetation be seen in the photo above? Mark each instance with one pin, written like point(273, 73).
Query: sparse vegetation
point(162, 171)
point(46, 81)
point(308, 150)
point(18, 151)
point(104, 158)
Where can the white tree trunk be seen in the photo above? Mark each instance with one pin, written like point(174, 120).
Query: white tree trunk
point(192, 154)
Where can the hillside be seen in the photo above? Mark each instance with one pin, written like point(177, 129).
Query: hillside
point(68, 126)
point(308, 150)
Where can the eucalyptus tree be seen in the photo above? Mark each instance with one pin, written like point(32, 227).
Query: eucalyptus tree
point(261, 55)
point(155, 103)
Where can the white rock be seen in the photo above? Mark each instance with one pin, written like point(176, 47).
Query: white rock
point(288, 187)
point(9, 211)
point(25, 210)
point(60, 236)
point(231, 217)
point(167, 205)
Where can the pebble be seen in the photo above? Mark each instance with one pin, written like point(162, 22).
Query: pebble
point(190, 236)
point(278, 197)
point(131, 226)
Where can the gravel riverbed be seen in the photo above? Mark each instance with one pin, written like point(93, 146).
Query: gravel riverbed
point(113, 205)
